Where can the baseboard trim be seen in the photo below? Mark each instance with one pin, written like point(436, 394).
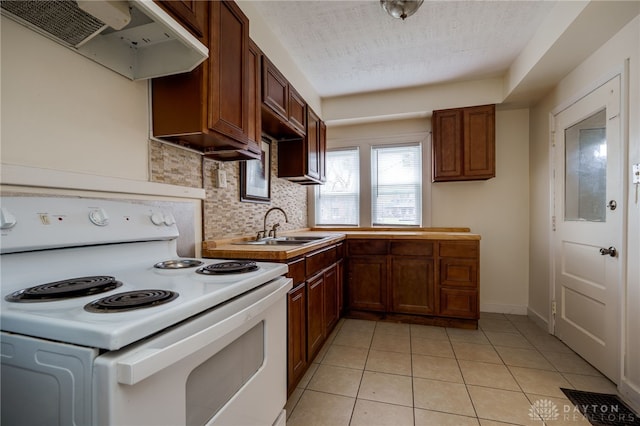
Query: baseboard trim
point(503, 309)
point(541, 321)
point(630, 394)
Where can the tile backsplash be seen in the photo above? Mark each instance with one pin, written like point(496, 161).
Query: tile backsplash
point(224, 215)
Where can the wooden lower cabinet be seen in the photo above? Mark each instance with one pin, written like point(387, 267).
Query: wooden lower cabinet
point(367, 282)
point(315, 317)
point(296, 335)
point(459, 279)
point(412, 285)
point(331, 311)
point(313, 308)
point(426, 281)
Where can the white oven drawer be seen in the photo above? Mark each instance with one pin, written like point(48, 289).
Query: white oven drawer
point(224, 367)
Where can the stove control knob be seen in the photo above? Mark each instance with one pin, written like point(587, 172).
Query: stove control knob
point(157, 218)
point(99, 217)
point(7, 220)
point(169, 220)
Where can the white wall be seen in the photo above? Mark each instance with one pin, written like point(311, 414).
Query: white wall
point(605, 61)
point(497, 209)
point(273, 49)
point(62, 111)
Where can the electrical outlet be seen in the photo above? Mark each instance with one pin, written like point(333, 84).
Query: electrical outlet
point(221, 179)
point(636, 173)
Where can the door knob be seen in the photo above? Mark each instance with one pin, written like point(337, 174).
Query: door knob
point(611, 251)
point(612, 205)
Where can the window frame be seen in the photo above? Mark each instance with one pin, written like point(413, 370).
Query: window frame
point(318, 188)
point(419, 194)
point(365, 145)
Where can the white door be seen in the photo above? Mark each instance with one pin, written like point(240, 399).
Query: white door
point(588, 217)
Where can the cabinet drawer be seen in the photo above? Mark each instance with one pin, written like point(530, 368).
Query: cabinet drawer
point(459, 303)
point(319, 260)
point(411, 248)
point(468, 249)
point(356, 247)
point(297, 271)
point(459, 273)
point(340, 250)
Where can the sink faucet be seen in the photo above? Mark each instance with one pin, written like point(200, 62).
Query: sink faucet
point(275, 226)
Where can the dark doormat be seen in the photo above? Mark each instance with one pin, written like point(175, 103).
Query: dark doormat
point(602, 409)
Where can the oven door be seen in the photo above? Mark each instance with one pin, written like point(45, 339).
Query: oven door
point(224, 367)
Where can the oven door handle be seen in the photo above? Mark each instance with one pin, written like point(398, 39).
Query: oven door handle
point(139, 365)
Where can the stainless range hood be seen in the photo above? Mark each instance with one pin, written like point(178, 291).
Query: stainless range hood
point(134, 38)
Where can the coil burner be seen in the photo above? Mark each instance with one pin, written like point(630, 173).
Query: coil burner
point(65, 289)
point(178, 264)
point(130, 300)
point(233, 267)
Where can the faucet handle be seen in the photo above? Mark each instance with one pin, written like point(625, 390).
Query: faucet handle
point(273, 230)
point(261, 234)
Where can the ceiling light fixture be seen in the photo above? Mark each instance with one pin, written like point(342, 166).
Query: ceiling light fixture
point(401, 8)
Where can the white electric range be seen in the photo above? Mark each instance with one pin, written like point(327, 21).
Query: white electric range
point(102, 322)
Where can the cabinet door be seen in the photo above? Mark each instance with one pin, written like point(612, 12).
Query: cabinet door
point(458, 291)
point(459, 303)
point(297, 336)
point(340, 275)
point(297, 111)
point(315, 315)
point(229, 71)
point(330, 298)
point(192, 14)
point(412, 285)
point(447, 146)
point(255, 85)
point(313, 145)
point(479, 142)
point(275, 89)
point(367, 283)
point(322, 154)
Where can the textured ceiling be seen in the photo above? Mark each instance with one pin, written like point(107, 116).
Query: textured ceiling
point(346, 47)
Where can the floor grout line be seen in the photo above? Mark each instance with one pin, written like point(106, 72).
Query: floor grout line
point(517, 326)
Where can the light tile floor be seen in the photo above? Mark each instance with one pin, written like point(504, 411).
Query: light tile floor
point(379, 373)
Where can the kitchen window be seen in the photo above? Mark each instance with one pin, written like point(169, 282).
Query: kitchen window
point(374, 182)
point(338, 200)
point(396, 185)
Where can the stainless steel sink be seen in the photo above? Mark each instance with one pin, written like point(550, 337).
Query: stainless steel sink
point(299, 238)
point(296, 240)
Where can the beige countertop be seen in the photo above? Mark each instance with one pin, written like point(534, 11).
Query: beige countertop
point(229, 249)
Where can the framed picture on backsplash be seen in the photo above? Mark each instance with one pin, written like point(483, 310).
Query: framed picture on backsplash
point(255, 177)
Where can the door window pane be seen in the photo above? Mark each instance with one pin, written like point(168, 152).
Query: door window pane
point(586, 169)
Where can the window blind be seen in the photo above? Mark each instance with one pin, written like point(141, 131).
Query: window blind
point(396, 185)
point(338, 200)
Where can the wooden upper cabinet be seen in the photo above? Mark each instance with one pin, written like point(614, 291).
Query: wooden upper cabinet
point(209, 108)
point(229, 71)
point(464, 143)
point(283, 109)
point(192, 14)
point(275, 89)
point(313, 146)
point(255, 87)
point(323, 151)
point(297, 110)
point(303, 160)
point(447, 146)
point(479, 142)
